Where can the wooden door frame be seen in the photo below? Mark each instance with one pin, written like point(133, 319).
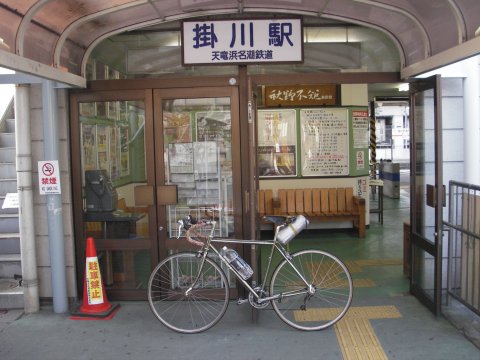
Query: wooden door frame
point(77, 96)
point(138, 89)
point(142, 89)
point(237, 162)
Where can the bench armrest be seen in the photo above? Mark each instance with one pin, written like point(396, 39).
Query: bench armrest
point(359, 201)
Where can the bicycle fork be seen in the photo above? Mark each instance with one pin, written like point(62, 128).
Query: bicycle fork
point(203, 254)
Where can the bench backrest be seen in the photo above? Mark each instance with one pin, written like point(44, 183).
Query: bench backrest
point(265, 202)
point(327, 201)
point(313, 202)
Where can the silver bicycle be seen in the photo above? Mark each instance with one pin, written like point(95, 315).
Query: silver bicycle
point(189, 291)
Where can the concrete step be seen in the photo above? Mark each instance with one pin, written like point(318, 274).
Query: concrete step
point(11, 294)
point(8, 170)
point(10, 265)
point(6, 211)
point(7, 155)
point(10, 128)
point(9, 223)
point(9, 243)
point(8, 186)
point(7, 139)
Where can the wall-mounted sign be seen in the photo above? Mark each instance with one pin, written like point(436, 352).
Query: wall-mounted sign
point(242, 41)
point(49, 177)
point(325, 146)
point(301, 95)
point(11, 201)
point(277, 143)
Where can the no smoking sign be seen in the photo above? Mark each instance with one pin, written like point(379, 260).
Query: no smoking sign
point(49, 177)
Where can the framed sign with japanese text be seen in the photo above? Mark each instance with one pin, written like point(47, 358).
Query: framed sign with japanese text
point(325, 142)
point(301, 95)
point(277, 143)
point(218, 42)
point(359, 141)
point(49, 177)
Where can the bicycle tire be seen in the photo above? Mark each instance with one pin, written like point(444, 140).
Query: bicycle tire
point(189, 313)
point(333, 290)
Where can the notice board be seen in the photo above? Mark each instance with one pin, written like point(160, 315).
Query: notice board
point(325, 142)
point(313, 142)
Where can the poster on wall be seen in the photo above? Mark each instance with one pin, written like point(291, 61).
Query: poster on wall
point(213, 125)
point(87, 109)
point(101, 110)
point(176, 127)
point(102, 148)
point(359, 141)
point(180, 157)
point(205, 159)
point(325, 142)
point(113, 110)
point(277, 143)
point(113, 152)
point(124, 154)
point(360, 124)
point(89, 152)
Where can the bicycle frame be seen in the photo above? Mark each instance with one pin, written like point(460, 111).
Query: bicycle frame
point(319, 280)
point(275, 245)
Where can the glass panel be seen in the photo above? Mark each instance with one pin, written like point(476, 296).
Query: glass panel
point(113, 164)
point(424, 272)
point(424, 216)
point(198, 158)
point(229, 274)
point(156, 51)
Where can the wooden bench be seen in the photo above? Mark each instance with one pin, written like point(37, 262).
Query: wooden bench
point(329, 204)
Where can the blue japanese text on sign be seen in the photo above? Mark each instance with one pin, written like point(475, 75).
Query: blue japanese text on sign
point(242, 41)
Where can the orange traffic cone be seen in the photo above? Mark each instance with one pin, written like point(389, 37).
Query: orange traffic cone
point(95, 304)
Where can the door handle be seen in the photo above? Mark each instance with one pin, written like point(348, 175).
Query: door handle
point(160, 228)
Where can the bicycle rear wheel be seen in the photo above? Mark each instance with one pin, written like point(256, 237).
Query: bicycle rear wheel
point(191, 312)
point(330, 296)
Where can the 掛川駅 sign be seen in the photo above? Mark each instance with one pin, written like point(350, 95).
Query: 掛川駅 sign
point(242, 41)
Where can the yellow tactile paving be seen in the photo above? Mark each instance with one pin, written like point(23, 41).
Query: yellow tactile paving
point(358, 341)
point(353, 267)
point(355, 334)
point(373, 312)
point(363, 283)
point(356, 337)
point(378, 262)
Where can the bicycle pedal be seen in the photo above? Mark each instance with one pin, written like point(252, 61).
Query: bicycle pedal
point(242, 301)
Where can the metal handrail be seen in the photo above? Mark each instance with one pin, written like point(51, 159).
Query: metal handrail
point(463, 269)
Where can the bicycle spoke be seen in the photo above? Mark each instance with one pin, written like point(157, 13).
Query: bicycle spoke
point(196, 311)
point(332, 284)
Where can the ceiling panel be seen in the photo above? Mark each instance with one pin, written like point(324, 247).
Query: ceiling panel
point(56, 29)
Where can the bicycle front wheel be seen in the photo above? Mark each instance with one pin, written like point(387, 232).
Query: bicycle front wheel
point(180, 309)
point(319, 304)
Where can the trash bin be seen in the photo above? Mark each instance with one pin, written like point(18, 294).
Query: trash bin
point(390, 174)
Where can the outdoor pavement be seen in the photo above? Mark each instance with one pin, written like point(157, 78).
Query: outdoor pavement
point(134, 333)
point(384, 322)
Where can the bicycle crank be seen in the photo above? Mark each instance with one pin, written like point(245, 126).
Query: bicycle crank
point(254, 300)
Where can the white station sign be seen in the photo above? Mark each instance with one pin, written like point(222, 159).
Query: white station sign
point(242, 41)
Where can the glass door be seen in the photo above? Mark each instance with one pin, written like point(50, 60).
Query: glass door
point(427, 192)
point(196, 152)
point(109, 136)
